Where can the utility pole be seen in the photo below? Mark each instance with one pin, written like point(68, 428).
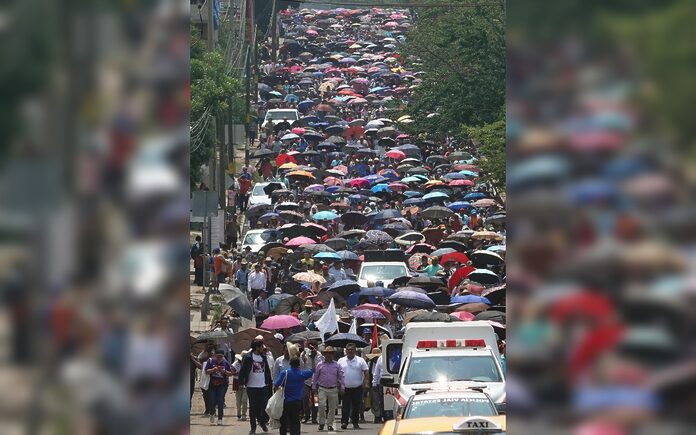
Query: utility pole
point(247, 109)
point(211, 24)
point(274, 33)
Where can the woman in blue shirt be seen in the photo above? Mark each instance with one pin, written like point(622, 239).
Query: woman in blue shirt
point(294, 389)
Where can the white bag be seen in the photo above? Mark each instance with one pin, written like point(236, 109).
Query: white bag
point(274, 407)
point(204, 380)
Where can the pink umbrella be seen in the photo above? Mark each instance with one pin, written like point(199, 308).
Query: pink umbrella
point(342, 168)
point(314, 188)
point(333, 181)
point(359, 182)
point(398, 187)
point(298, 130)
point(281, 321)
point(463, 315)
point(375, 307)
point(317, 226)
point(403, 136)
point(396, 154)
point(461, 183)
point(301, 240)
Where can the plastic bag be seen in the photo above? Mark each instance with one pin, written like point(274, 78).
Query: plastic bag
point(274, 407)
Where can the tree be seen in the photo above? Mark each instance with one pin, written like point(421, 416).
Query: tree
point(211, 89)
point(490, 139)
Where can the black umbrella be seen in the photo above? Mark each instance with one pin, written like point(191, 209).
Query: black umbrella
point(353, 218)
point(437, 212)
point(237, 300)
point(452, 244)
point(285, 303)
point(273, 186)
point(316, 248)
point(262, 153)
point(344, 287)
point(424, 281)
point(296, 230)
point(379, 237)
point(496, 316)
point(342, 339)
point(217, 337)
point(483, 258)
point(317, 314)
point(439, 297)
point(304, 336)
point(292, 216)
point(484, 276)
point(433, 316)
point(337, 243)
point(258, 210)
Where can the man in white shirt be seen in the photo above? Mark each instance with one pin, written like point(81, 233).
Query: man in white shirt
point(257, 280)
point(377, 389)
point(355, 378)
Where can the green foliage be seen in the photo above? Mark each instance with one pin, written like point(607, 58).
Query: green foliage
point(211, 88)
point(491, 141)
point(462, 52)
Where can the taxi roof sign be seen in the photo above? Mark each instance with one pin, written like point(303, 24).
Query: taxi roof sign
point(477, 424)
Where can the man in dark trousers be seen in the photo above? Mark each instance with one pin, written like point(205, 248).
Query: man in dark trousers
point(255, 374)
point(198, 263)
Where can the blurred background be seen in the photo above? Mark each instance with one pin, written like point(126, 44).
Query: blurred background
point(600, 178)
point(94, 210)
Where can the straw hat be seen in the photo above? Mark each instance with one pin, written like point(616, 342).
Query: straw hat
point(376, 352)
point(293, 350)
point(308, 304)
point(328, 349)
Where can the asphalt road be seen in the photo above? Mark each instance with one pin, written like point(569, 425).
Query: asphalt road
point(201, 425)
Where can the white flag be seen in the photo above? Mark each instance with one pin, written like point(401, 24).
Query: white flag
point(353, 327)
point(327, 322)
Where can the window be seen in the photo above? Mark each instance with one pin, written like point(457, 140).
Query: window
point(382, 272)
point(258, 190)
point(451, 407)
point(427, 370)
point(277, 115)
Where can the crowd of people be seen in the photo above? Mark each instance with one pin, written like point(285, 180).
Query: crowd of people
point(345, 181)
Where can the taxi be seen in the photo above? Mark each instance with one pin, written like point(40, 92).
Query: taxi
point(445, 426)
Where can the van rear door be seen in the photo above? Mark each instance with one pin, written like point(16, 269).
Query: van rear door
point(391, 364)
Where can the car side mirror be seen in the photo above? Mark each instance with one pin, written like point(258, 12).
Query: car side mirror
point(501, 408)
point(387, 381)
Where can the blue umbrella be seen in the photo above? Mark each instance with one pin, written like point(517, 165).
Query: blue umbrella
point(348, 256)
point(390, 174)
point(332, 189)
point(324, 216)
point(354, 299)
point(412, 194)
point(496, 248)
point(327, 256)
point(377, 291)
point(291, 98)
point(357, 197)
point(304, 105)
point(435, 195)
point(413, 201)
point(389, 213)
point(468, 173)
point(268, 216)
point(475, 195)
point(377, 188)
point(459, 205)
point(412, 299)
point(367, 314)
point(470, 299)
point(455, 176)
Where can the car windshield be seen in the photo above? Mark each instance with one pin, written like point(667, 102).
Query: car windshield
point(451, 407)
point(259, 238)
point(290, 115)
point(382, 272)
point(258, 190)
point(427, 370)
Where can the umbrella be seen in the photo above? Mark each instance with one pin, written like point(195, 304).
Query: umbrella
point(290, 215)
point(457, 246)
point(436, 196)
point(416, 260)
point(280, 321)
point(486, 202)
point(389, 213)
point(483, 258)
point(217, 337)
point(273, 186)
point(327, 256)
point(366, 314)
point(378, 237)
point(324, 216)
point(373, 307)
point(470, 299)
point(408, 298)
point(442, 251)
point(377, 291)
point(425, 281)
point(437, 212)
point(348, 255)
point(301, 240)
point(493, 315)
point(258, 210)
point(337, 243)
point(285, 304)
point(237, 300)
point(261, 153)
point(344, 287)
point(342, 339)
point(487, 235)
point(409, 238)
point(268, 216)
point(304, 336)
point(428, 316)
point(395, 154)
point(457, 257)
point(285, 158)
point(459, 275)
point(463, 315)
point(241, 341)
point(309, 277)
point(484, 276)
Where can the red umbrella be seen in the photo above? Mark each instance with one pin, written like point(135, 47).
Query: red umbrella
point(355, 131)
point(463, 315)
point(324, 108)
point(301, 240)
point(359, 182)
point(458, 257)
point(375, 307)
point(284, 158)
point(298, 130)
point(281, 321)
point(459, 275)
point(396, 154)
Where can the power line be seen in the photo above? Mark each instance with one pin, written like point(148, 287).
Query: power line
point(378, 4)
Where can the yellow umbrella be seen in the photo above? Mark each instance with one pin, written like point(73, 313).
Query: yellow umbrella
point(288, 165)
point(487, 235)
point(300, 174)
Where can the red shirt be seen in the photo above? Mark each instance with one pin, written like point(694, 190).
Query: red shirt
point(244, 185)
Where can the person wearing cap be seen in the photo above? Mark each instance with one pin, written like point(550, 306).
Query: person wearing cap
point(255, 375)
point(326, 383)
point(240, 395)
point(293, 379)
point(355, 381)
point(304, 315)
point(219, 370)
point(241, 278)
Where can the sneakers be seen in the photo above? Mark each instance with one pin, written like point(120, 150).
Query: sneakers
point(321, 427)
point(263, 427)
point(219, 423)
point(356, 426)
point(212, 419)
point(331, 429)
point(344, 426)
point(252, 432)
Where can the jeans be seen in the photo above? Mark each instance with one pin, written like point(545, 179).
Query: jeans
point(206, 401)
point(377, 401)
point(242, 401)
point(352, 404)
point(327, 396)
point(308, 408)
point(290, 420)
point(258, 398)
point(217, 399)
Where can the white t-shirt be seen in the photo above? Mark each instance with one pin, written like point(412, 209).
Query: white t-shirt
point(237, 366)
point(257, 378)
point(352, 371)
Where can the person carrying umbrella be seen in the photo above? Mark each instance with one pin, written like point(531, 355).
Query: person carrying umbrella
point(255, 375)
point(355, 380)
point(326, 383)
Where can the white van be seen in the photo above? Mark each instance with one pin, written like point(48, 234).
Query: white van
point(443, 356)
point(276, 116)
